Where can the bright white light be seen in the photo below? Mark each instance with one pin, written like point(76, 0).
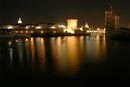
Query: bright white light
point(26, 31)
point(81, 28)
point(10, 27)
point(31, 31)
point(86, 25)
point(98, 29)
point(72, 23)
point(16, 31)
point(27, 27)
point(42, 31)
point(20, 21)
point(70, 31)
point(88, 31)
point(61, 26)
point(26, 39)
point(53, 27)
point(38, 27)
point(54, 31)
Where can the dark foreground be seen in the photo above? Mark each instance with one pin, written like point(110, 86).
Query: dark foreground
point(77, 61)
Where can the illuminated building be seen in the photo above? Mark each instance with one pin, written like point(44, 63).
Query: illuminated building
point(72, 25)
point(112, 22)
point(116, 22)
point(38, 27)
point(20, 21)
point(86, 25)
point(109, 22)
point(10, 27)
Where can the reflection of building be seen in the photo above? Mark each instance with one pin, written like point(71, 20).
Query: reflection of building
point(111, 21)
point(72, 24)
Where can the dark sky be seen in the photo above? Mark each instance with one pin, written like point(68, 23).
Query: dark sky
point(91, 11)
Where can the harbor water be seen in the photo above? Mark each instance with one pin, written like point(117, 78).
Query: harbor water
point(70, 61)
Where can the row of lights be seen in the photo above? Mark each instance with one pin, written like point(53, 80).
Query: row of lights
point(23, 32)
point(31, 32)
point(39, 27)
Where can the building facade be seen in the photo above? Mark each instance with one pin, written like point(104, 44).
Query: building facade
point(112, 21)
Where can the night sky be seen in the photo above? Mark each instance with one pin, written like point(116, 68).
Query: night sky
point(55, 11)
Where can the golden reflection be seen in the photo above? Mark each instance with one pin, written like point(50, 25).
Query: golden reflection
point(73, 60)
point(20, 52)
point(42, 53)
point(100, 46)
point(27, 49)
point(66, 53)
point(81, 47)
point(57, 53)
point(33, 52)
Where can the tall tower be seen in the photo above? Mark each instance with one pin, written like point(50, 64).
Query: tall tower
point(112, 22)
point(86, 25)
point(116, 22)
point(72, 24)
point(109, 21)
point(20, 21)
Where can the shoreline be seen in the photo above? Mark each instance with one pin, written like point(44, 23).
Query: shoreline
point(47, 35)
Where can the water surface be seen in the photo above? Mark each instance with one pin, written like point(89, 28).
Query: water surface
point(78, 61)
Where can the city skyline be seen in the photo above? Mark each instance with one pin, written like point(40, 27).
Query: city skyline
point(58, 11)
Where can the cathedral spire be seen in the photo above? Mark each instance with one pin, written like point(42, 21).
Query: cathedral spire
point(19, 21)
point(86, 25)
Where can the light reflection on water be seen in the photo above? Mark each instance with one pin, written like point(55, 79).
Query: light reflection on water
point(76, 60)
point(66, 54)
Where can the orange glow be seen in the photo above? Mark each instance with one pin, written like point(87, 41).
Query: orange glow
point(26, 31)
point(42, 31)
point(41, 51)
point(26, 39)
point(16, 31)
point(72, 25)
point(73, 55)
point(21, 31)
point(101, 46)
point(59, 61)
point(33, 52)
point(31, 31)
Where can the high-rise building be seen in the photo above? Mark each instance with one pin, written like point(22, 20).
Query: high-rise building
point(116, 22)
point(109, 18)
point(112, 21)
